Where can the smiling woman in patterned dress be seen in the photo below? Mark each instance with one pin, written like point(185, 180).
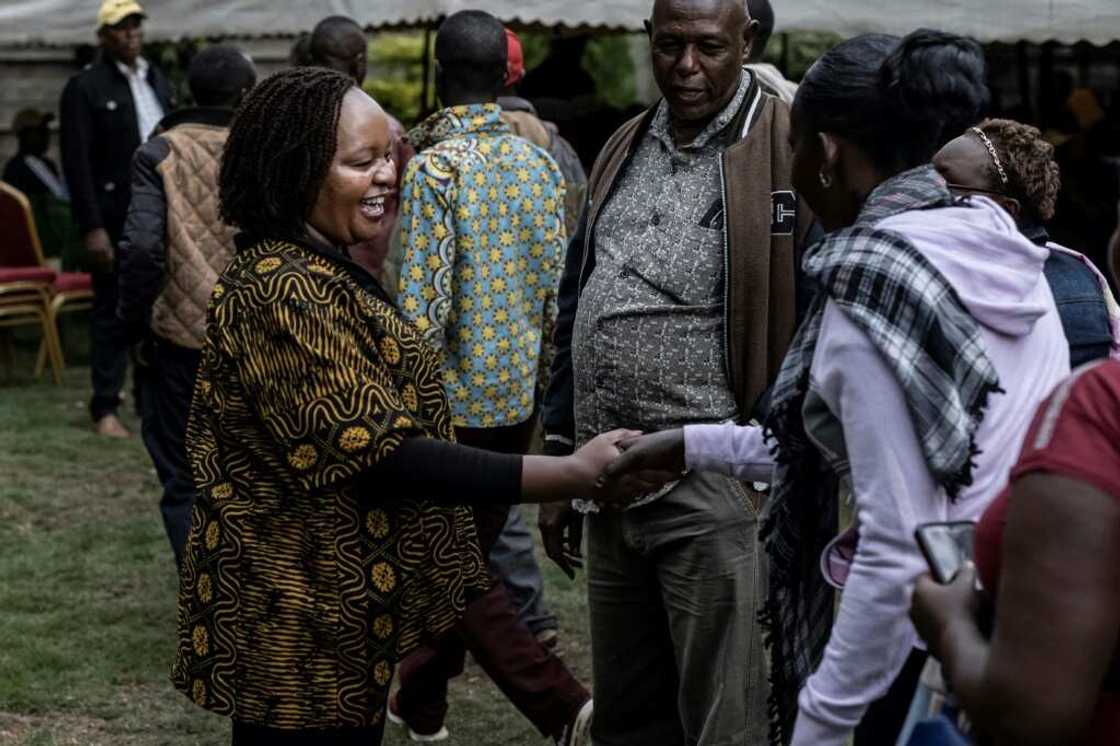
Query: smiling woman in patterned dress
point(332, 532)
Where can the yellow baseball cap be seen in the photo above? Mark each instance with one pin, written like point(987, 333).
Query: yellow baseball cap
point(114, 11)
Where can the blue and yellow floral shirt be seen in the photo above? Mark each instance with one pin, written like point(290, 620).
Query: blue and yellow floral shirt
point(482, 225)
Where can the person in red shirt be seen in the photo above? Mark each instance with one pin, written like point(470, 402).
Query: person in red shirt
point(1048, 552)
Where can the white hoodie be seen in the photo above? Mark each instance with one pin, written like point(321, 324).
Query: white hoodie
point(998, 276)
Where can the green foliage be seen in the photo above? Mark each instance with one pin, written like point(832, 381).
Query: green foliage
point(401, 98)
point(534, 47)
point(173, 58)
point(608, 60)
point(397, 47)
point(804, 48)
point(397, 74)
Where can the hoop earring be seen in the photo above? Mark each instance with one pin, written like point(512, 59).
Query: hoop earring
point(826, 180)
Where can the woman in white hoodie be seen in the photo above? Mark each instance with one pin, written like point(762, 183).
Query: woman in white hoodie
point(913, 378)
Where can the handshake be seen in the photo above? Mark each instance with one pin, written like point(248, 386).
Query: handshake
point(627, 464)
point(613, 469)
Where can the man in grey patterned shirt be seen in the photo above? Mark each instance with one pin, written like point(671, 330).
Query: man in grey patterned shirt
point(674, 310)
point(648, 343)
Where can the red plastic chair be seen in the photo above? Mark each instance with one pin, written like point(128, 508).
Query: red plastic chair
point(73, 291)
point(28, 288)
point(25, 294)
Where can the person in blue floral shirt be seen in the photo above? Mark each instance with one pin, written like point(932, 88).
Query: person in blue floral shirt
point(482, 226)
point(483, 235)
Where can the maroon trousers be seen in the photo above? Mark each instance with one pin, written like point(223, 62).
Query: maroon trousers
point(528, 674)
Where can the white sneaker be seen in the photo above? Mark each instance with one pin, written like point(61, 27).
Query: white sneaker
point(578, 732)
point(441, 735)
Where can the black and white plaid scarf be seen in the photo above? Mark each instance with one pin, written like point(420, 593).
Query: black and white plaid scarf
point(913, 316)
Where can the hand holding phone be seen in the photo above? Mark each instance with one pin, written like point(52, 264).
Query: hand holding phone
point(946, 546)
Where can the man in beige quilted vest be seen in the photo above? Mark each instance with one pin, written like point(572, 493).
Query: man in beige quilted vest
point(173, 249)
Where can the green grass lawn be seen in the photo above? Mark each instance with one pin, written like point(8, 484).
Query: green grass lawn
point(87, 592)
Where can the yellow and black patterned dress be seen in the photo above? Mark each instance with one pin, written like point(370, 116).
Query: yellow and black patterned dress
point(302, 584)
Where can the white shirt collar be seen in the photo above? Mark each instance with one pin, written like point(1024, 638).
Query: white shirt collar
point(140, 71)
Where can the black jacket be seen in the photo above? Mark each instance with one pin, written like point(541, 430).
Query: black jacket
point(19, 174)
point(99, 136)
point(142, 253)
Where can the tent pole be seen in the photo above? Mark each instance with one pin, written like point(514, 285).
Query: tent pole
point(426, 66)
point(1083, 50)
point(1024, 65)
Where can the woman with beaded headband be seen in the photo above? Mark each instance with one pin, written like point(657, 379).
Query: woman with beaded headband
point(1009, 163)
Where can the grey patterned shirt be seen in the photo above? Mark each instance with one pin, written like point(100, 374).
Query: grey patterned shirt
point(647, 348)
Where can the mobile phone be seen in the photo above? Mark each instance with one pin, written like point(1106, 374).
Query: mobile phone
point(946, 546)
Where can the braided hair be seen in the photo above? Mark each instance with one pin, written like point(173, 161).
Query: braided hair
point(281, 144)
point(1033, 176)
point(899, 100)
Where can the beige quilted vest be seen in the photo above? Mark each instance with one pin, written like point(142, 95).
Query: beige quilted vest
point(199, 244)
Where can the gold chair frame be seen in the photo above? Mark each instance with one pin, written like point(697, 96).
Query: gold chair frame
point(23, 303)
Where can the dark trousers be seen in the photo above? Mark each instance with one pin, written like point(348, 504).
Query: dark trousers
point(108, 347)
point(166, 406)
point(529, 675)
point(883, 721)
point(512, 559)
point(674, 588)
point(245, 734)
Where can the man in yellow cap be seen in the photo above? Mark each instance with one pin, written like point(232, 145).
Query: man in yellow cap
point(108, 109)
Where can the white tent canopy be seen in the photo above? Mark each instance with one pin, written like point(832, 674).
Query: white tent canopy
point(1066, 21)
point(65, 22)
